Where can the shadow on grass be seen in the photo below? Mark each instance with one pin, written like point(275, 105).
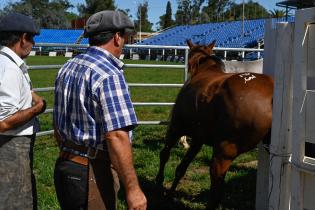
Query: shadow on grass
point(239, 194)
point(240, 183)
point(157, 198)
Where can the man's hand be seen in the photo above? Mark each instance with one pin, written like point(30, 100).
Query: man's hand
point(120, 154)
point(39, 103)
point(136, 199)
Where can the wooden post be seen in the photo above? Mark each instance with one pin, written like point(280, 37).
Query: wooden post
point(278, 64)
point(262, 182)
point(280, 147)
point(290, 51)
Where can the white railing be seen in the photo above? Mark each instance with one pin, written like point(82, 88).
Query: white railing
point(184, 66)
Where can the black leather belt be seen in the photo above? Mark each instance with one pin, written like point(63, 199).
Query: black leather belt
point(80, 150)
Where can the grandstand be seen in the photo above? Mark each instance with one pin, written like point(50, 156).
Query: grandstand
point(227, 34)
point(60, 36)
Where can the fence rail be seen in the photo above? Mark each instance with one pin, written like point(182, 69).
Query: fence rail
point(184, 66)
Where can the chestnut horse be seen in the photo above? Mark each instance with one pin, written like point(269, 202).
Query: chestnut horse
point(229, 111)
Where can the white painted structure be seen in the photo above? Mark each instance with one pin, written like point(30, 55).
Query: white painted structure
point(52, 54)
point(68, 54)
point(32, 53)
point(255, 66)
point(286, 177)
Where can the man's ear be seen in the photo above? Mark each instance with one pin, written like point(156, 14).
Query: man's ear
point(117, 39)
point(23, 38)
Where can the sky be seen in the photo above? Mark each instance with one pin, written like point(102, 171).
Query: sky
point(156, 7)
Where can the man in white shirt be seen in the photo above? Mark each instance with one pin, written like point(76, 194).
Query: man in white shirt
point(19, 106)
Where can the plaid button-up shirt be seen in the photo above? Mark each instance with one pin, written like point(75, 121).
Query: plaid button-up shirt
point(92, 98)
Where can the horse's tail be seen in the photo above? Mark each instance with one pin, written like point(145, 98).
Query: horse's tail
point(267, 138)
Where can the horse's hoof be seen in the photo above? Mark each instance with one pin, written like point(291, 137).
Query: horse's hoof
point(159, 181)
point(211, 206)
point(169, 195)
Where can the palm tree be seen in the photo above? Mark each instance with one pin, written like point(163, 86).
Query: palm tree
point(276, 13)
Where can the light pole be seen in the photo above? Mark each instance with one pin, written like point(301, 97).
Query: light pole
point(139, 7)
point(140, 22)
point(243, 25)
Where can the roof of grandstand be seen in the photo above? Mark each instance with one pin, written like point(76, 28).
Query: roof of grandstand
point(293, 4)
point(226, 34)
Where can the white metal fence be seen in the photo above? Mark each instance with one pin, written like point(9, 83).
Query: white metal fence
point(175, 66)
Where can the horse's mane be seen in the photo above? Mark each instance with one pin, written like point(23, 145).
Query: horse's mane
point(201, 56)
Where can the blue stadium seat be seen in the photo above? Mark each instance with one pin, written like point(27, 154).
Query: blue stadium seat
point(58, 36)
point(226, 34)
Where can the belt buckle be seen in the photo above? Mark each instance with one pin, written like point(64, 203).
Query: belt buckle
point(91, 153)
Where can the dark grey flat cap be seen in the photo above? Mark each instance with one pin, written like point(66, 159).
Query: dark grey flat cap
point(17, 22)
point(108, 21)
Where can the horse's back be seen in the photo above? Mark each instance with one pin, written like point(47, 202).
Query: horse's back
point(249, 91)
point(246, 100)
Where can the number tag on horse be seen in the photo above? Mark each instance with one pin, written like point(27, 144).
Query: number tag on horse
point(247, 76)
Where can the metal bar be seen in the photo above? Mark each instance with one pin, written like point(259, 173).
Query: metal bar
point(154, 66)
point(129, 84)
point(44, 89)
point(186, 47)
point(154, 85)
point(43, 133)
point(153, 103)
point(303, 166)
point(148, 46)
point(48, 111)
point(42, 67)
point(135, 104)
point(156, 46)
point(61, 45)
point(153, 122)
point(186, 65)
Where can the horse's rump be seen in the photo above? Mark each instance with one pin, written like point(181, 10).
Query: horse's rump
point(230, 111)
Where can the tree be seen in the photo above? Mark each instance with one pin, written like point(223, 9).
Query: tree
point(196, 15)
point(215, 9)
point(93, 6)
point(183, 14)
point(142, 18)
point(253, 10)
point(166, 20)
point(47, 14)
point(277, 13)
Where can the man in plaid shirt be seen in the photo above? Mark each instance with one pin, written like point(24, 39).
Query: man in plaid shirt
point(93, 115)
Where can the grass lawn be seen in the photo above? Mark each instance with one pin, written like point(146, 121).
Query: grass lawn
point(193, 190)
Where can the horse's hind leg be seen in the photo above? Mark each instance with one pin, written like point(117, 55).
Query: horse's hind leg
point(222, 158)
point(171, 139)
point(182, 167)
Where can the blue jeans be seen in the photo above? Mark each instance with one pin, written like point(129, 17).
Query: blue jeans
point(17, 181)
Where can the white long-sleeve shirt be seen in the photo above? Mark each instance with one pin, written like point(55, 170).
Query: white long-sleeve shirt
point(15, 91)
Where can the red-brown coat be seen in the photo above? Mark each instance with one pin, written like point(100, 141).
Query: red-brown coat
point(230, 111)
